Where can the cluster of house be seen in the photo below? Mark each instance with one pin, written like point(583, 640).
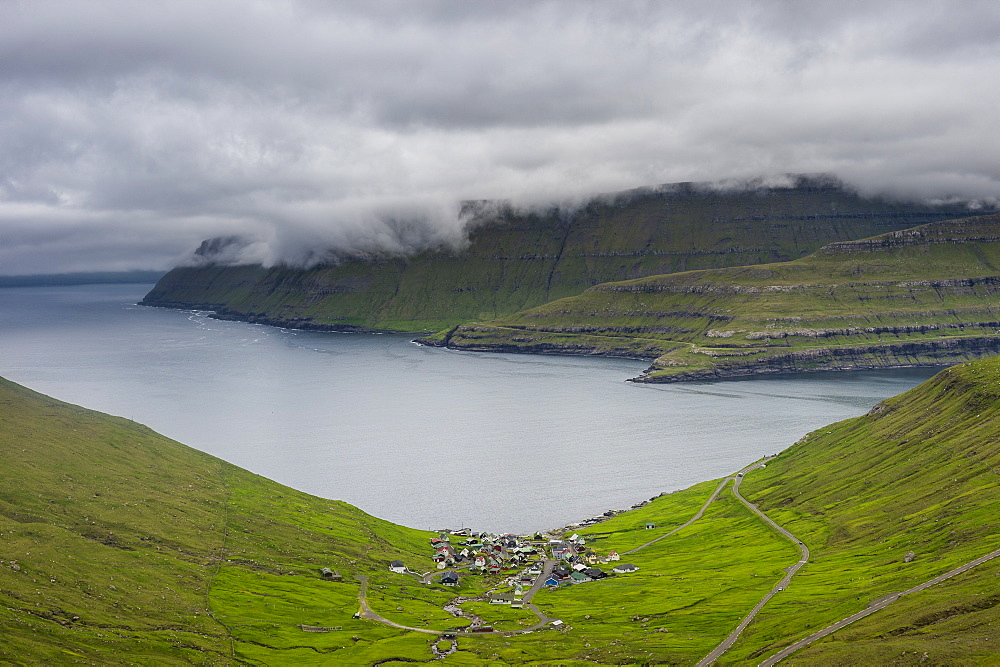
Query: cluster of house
point(520, 583)
point(578, 563)
point(580, 573)
point(485, 553)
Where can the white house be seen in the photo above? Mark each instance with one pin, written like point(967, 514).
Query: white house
point(625, 568)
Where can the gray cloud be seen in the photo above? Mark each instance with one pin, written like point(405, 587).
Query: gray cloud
point(130, 131)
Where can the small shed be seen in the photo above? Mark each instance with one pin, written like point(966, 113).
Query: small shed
point(397, 566)
point(330, 575)
point(650, 526)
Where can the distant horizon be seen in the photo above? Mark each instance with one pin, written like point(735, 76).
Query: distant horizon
point(81, 278)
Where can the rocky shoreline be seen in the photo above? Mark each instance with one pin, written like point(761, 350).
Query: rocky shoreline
point(601, 518)
point(217, 312)
point(541, 348)
point(904, 354)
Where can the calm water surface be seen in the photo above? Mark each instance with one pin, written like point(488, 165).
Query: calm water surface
point(425, 437)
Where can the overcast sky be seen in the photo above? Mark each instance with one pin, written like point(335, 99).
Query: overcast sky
point(130, 131)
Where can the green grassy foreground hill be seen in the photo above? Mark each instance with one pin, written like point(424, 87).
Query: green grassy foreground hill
point(884, 501)
point(923, 296)
point(517, 261)
point(118, 545)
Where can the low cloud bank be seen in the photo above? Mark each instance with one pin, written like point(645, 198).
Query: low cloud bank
point(131, 131)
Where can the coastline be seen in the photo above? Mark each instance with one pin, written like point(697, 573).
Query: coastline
point(217, 312)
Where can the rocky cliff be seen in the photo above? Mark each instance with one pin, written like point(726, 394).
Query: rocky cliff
point(516, 261)
point(925, 296)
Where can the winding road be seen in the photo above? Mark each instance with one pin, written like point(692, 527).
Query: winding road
point(367, 613)
point(780, 586)
point(881, 603)
point(701, 512)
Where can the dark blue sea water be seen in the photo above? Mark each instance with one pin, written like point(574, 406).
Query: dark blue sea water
point(425, 437)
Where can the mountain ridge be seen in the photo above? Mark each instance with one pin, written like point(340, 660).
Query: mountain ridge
point(516, 261)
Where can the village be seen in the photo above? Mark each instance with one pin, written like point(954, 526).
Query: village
point(513, 568)
point(539, 560)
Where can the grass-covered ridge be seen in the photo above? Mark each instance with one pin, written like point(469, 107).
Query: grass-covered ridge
point(923, 296)
point(516, 261)
point(886, 501)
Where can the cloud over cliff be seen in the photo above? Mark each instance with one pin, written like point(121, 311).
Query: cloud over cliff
point(129, 131)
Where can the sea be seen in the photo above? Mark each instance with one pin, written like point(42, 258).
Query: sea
point(426, 437)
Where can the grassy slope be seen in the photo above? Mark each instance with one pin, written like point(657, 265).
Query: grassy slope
point(920, 473)
point(121, 545)
point(517, 262)
point(211, 563)
point(903, 298)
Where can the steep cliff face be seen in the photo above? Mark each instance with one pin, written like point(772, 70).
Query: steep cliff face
point(926, 296)
point(515, 262)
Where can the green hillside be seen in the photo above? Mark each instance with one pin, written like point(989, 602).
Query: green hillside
point(883, 502)
point(121, 546)
point(513, 261)
point(886, 501)
point(924, 296)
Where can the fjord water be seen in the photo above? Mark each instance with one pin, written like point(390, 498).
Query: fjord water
point(425, 437)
